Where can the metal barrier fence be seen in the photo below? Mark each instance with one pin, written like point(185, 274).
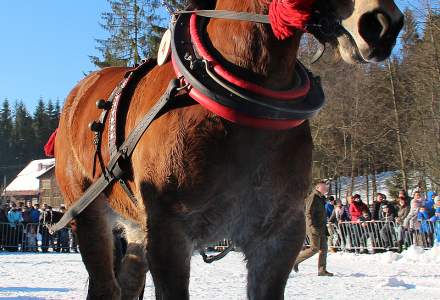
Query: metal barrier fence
point(34, 237)
point(372, 235)
point(359, 236)
point(381, 235)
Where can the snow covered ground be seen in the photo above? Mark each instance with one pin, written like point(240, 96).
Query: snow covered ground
point(414, 274)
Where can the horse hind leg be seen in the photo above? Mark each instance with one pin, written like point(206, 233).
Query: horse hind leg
point(96, 245)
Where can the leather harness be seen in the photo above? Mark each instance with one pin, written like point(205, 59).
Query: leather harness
point(191, 77)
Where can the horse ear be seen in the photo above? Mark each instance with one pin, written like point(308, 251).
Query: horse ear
point(204, 4)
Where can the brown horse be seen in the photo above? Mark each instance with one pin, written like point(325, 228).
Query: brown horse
point(199, 178)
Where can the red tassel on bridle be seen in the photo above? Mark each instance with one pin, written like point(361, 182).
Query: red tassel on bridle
point(286, 16)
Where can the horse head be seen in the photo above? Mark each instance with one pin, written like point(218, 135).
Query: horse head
point(363, 30)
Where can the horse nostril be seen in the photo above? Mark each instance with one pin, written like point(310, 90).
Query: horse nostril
point(383, 20)
point(373, 26)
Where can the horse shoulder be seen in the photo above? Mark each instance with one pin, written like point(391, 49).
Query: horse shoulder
point(74, 147)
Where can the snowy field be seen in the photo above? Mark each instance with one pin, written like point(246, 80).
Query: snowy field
point(414, 274)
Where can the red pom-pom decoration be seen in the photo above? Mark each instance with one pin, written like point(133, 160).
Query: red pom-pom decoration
point(286, 16)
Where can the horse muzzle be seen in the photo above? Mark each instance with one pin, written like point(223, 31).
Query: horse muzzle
point(379, 32)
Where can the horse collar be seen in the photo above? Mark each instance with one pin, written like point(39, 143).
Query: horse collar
point(233, 98)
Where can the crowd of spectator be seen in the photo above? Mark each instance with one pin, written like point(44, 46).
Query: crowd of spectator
point(397, 223)
point(25, 227)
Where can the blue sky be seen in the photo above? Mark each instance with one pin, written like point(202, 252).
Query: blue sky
point(45, 46)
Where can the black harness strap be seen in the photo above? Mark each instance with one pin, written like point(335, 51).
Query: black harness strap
point(114, 170)
point(98, 128)
point(212, 258)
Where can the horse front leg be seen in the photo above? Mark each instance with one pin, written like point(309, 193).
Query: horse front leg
point(169, 256)
point(96, 246)
point(270, 261)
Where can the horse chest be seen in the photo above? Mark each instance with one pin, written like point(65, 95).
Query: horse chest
point(247, 184)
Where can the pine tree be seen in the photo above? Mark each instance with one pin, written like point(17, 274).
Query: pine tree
point(41, 126)
point(23, 133)
point(52, 113)
point(134, 31)
point(6, 140)
point(5, 129)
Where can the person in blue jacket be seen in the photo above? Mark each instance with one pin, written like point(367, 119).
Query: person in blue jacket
point(436, 223)
point(429, 203)
point(14, 218)
point(425, 229)
point(330, 206)
point(35, 213)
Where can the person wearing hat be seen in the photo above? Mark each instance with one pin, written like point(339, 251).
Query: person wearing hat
point(316, 229)
point(357, 207)
point(387, 215)
point(376, 207)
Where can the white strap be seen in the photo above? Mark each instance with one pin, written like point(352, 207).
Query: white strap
point(227, 14)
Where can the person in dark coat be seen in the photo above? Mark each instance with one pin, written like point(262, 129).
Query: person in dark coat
point(316, 230)
point(45, 221)
point(4, 214)
point(376, 207)
point(387, 230)
point(364, 229)
point(35, 213)
point(26, 215)
point(4, 226)
point(402, 213)
point(62, 235)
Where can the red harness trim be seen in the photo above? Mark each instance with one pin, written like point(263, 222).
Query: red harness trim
point(234, 116)
point(290, 95)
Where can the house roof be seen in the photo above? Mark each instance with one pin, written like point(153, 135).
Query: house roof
point(47, 171)
point(27, 180)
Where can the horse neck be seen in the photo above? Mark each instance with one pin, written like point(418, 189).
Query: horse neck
point(253, 47)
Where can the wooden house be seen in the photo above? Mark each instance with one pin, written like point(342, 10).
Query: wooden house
point(36, 183)
point(49, 192)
